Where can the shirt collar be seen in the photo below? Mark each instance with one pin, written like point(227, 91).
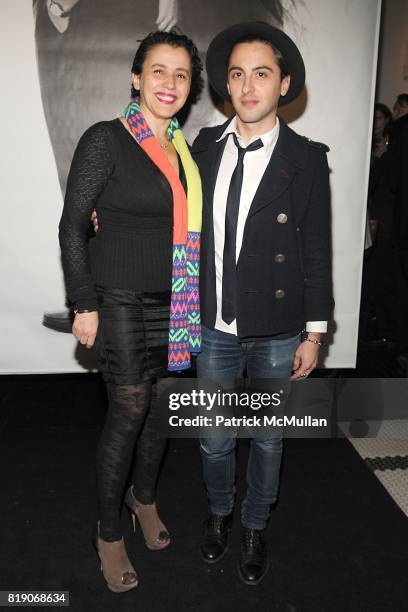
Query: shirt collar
point(268, 139)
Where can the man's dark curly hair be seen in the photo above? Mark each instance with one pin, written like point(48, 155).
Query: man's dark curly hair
point(174, 39)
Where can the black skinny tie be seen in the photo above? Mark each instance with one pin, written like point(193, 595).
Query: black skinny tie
point(229, 268)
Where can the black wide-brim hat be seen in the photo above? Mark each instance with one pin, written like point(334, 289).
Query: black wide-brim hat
point(221, 46)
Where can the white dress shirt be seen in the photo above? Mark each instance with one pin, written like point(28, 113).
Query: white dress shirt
point(255, 163)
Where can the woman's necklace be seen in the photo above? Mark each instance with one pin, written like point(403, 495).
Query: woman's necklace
point(164, 146)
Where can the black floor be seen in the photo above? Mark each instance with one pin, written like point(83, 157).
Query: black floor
point(337, 541)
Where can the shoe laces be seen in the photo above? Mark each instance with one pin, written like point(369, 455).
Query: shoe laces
point(216, 522)
point(252, 539)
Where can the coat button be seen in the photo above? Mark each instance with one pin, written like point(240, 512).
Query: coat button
point(279, 294)
point(282, 218)
point(279, 258)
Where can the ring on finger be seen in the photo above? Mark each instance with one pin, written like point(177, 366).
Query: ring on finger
point(303, 375)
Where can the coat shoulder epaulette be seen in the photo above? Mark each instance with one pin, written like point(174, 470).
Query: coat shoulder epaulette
point(317, 145)
point(205, 137)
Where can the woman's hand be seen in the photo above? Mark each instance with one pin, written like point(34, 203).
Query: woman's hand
point(85, 327)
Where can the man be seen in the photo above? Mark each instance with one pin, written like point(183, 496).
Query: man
point(265, 267)
point(84, 50)
point(400, 108)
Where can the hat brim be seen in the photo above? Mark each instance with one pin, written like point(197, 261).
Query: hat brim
point(221, 46)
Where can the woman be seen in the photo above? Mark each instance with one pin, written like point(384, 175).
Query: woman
point(381, 130)
point(134, 286)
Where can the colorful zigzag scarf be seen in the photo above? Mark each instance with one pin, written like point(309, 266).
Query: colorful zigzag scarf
point(184, 327)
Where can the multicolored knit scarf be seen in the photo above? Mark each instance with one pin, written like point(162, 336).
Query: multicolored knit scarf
point(185, 327)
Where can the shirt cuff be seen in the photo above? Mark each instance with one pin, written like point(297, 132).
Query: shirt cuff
point(320, 327)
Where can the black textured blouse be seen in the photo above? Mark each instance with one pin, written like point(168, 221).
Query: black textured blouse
point(133, 246)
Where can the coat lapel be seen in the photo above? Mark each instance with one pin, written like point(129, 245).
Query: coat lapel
point(208, 153)
point(280, 172)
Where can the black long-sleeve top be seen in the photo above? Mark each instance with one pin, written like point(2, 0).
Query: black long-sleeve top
point(132, 248)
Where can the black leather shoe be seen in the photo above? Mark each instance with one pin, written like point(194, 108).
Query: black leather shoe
point(59, 321)
point(214, 543)
point(253, 563)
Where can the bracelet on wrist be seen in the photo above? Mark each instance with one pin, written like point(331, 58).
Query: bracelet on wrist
point(83, 311)
point(305, 338)
point(318, 342)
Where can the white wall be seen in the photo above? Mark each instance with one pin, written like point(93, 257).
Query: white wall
point(338, 41)
point(339, 45)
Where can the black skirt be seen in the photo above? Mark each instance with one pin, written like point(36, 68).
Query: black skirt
point(132, 338)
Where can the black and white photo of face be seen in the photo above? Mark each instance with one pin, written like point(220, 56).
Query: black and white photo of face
point(85, 50)
point(59, 13)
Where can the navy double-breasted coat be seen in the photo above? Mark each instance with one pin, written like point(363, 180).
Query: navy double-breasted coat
point(284, 266)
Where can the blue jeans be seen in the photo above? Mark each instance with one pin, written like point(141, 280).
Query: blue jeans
point(222, 359)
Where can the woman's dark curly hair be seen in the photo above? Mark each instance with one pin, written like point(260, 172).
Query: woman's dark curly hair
point(176, 40)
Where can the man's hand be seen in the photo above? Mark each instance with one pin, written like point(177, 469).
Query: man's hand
point(59, 13)
point(85, 327)
point(168, 14)
point(305, 359)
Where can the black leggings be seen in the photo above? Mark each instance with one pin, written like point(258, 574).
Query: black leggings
point(129, 434)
